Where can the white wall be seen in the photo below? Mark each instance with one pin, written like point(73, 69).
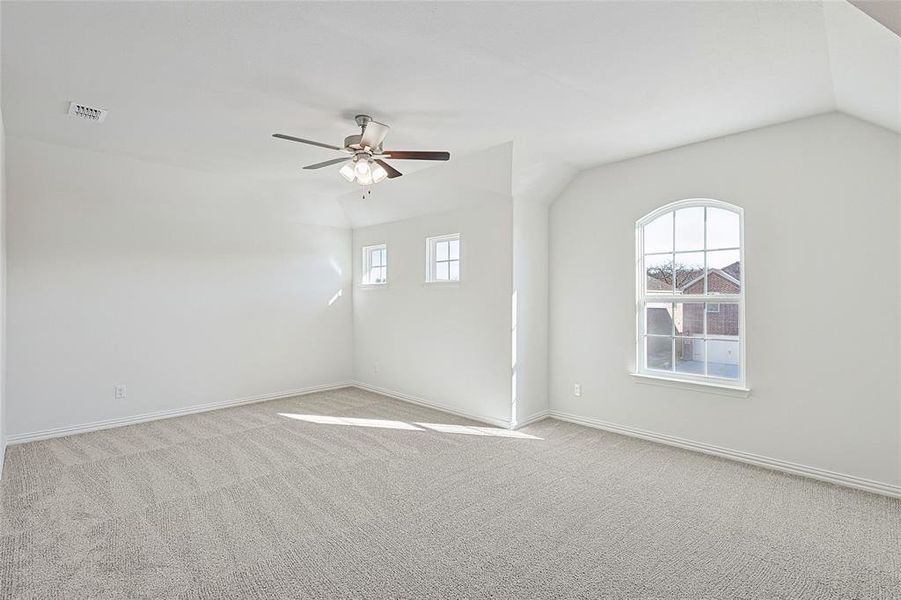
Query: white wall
point(447, 344)
point(187, 287)
point(2, 293)
point(821, 201)
point(530, 283)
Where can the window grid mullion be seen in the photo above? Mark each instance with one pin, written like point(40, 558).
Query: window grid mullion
point(706, 293)
point(673, 256)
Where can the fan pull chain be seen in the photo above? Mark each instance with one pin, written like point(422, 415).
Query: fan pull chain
point(367, 191)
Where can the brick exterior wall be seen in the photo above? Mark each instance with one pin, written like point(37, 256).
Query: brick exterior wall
point(722, 322)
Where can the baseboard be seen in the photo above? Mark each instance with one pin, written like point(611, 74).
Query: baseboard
point(429, 404)
point(842, 479)
point(21, 438)
point(2, 454)
point(543, 414)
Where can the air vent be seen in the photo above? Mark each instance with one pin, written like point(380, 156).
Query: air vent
point(89, 113)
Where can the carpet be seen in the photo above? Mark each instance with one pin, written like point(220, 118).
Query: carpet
point(349, 494)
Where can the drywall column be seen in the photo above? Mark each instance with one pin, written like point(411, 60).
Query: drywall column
point(530, 311)
point(2, 293)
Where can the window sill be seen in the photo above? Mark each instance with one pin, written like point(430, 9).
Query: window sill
point(723, 389)
point(441, 283)
point(373, 286)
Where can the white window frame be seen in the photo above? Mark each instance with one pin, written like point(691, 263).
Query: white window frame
point(642, 299)
point(368, 266)
point(432, 258)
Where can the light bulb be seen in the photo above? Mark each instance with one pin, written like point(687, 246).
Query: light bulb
point(347, 172)
point(378, 173)
point(365, 179)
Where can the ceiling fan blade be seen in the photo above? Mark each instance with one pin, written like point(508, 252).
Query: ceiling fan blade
point(374, 134)
point(303, 141)
point(416, 155)
point(392, 172)
point(334, 161)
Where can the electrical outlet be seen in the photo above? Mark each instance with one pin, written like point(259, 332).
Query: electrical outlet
point(121, 392)
point(577, 389)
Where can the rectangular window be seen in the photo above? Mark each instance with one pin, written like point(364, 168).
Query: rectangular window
point(375, 265)
point(443, 258)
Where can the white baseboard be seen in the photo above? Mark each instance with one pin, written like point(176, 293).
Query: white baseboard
point(428, 404)
point(21, 438)
point(534, 418)
point(2, 454)
point(842, 479)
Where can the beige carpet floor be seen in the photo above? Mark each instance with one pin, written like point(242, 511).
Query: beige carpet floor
point(348, 494)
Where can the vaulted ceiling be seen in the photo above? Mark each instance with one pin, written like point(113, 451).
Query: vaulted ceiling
point(571, 85)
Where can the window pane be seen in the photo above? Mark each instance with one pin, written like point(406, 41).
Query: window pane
point(724, 321)
point(374, 275)
point(381, 259)
point(659, 274)
point(722, 359)
point(658, 234)
point(690, 228)
point(724, 272)
point(689, 273)
point(383, 274)
point(690, 356)
point(441, 271)
point(689, 318)
point(441, 250)
point(659, 317)
point(455, 249)
point(454, 270)
point(722, 229)
point(659, 353)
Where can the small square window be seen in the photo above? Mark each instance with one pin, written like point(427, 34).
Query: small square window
point(375, 265)
point(443, 258)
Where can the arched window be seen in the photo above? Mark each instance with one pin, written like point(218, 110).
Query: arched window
point(691, 291)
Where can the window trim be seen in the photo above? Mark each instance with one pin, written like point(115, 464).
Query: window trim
point(641, 299)
point(430, 259)
point(367, 265)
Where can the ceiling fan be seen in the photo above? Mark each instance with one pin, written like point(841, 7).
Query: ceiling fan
point(365, 153)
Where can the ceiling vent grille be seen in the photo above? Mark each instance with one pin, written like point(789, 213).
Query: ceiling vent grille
point(88, 113)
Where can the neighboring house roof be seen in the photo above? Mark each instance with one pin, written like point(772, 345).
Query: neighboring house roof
point(734, 270)
point(658, 285)
point(721, 272)
point(731, 273)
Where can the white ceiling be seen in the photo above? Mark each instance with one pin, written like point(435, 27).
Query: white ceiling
point(203, 85)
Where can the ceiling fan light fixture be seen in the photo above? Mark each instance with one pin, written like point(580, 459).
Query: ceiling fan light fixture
point(348, 173)
point(378, 173)
point(362, 168)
